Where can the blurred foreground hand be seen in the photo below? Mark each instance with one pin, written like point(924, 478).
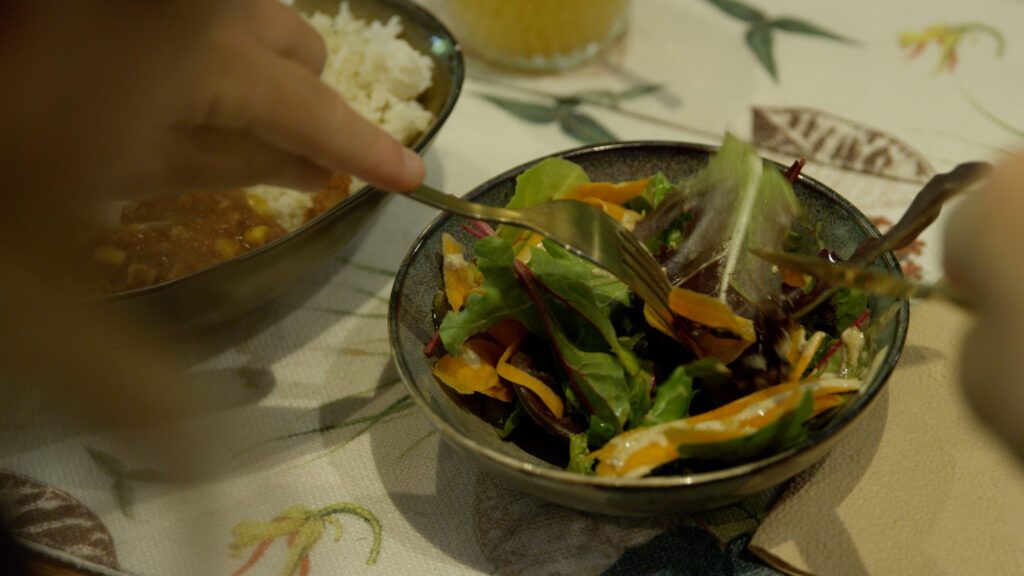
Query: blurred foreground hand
point(984, 256)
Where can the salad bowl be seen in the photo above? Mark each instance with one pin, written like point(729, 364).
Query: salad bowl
point(524, 464)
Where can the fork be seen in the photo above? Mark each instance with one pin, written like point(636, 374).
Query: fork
point(581, 229)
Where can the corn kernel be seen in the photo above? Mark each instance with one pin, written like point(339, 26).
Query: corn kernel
point(110, 255)
point(255, 236)
point(225, 247)
point(258, 203)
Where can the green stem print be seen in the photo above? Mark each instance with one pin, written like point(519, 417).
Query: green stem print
point(123, 477)
point(302, 528)
point(1003, 124)
point(948, 38)
point(565, 110)
point(760, 35)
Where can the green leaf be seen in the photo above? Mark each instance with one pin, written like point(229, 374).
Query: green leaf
point(508, 423)
point(804, 27)
point(653, 194)
point(640, 395)
point(500, 297)
point(584, 128)
point(597, 378)
point(759, 39)
point(579, 449)
point(739, 10)
point(528, 111)
point(743, 204)
point(548, 179)
point(608, 292)
point(599, 432)
point(671, 398)
point(849, 304)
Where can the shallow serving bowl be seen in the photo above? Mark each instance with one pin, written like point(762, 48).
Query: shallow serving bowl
point(226, 290)
point(411, 327)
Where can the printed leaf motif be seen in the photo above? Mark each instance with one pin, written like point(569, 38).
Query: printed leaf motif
point(585, 129)
point(528, 111)
point(759, 35)
point(802, 27)
point(302, 529)
point(124, 491)
point(739, 10)
point(565, 110)
point(759, 39)
point(948, 38)
point(52, 519)
point(1003, 124)
point(821, 137)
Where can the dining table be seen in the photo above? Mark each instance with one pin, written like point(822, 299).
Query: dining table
point(326, 464)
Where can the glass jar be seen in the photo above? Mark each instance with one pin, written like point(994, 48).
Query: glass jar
point(536, 35)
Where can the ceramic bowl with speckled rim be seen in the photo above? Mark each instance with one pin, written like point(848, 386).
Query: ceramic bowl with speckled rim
point(224, 291)
point(411, 326)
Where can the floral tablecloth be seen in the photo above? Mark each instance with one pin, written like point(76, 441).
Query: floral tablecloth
point(327, 466)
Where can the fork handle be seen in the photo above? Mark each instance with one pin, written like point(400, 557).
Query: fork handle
point(449, 203)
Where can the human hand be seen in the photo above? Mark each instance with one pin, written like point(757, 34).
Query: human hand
point(117, 98)
point(983, 258)
point(255, 110)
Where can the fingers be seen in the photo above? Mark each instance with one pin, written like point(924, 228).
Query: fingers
point(982, 239)
point(283, 31)
point(216, 159)
point(286, 105)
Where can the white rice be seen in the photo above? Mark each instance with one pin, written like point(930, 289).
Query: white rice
point(378, 74)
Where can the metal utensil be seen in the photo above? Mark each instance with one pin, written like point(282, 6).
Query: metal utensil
point(861, 277)
point(581, 229)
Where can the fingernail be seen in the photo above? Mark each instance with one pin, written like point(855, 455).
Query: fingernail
point(413, 168)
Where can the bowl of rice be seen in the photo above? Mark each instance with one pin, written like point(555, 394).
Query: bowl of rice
point(392, 62)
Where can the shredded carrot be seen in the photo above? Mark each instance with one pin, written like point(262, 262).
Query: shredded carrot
point(797, 370)
point(477, 374)
point(458, 276)
point(614, 210)
point(710, 311)
point(616, 193)
point(509, 372)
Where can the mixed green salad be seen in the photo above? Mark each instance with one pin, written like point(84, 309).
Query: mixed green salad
point(753, 359)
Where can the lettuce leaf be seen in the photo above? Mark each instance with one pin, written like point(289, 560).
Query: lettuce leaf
point(608, 291)
point(742, 204)
point(579, 449)
point(500, 297)
point(548, 179)
point(671, 398)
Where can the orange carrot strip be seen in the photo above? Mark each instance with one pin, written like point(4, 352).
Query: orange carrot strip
point(797, 370)
point(467, 376)
point(509, 372)
point(616, 193)
point(710, 311)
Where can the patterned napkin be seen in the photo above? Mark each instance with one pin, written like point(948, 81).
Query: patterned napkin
point(918, 487)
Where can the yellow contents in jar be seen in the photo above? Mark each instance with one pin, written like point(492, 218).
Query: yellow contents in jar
point(540, 34)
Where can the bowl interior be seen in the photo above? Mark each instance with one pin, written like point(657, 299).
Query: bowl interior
point(223, 291)
point(419, 280)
